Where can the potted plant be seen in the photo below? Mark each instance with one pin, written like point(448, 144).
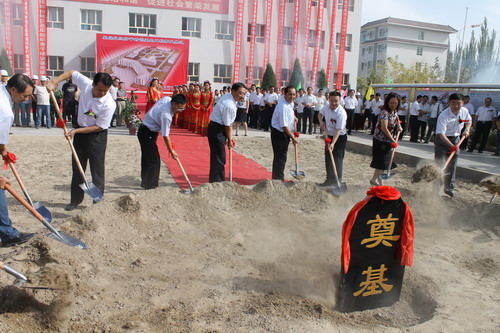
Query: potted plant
point(135, 122)
point(128, 112)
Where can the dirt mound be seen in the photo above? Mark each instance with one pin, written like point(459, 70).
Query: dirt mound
point(428, 173)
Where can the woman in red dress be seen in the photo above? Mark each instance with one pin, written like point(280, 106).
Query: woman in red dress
point(195, 102)
point(207, 101)
point(153, 94)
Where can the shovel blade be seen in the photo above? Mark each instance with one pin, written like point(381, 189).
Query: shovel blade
point(68, 240)
point(47, 215)
point(93, 191)
point(340, 189)
point(386, 176)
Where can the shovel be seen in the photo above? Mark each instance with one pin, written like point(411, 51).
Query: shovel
point(387, 174)
point(296, 173)
point(341, 187)
point(87, 187)
point(47, 215)
point(230, 164)
point(185, 174)
point(451, 155)
point(57, 235)
point(13, 272)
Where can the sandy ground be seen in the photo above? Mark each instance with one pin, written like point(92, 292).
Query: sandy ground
point(229, 258)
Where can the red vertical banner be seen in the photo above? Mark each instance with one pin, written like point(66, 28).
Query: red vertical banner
point(331, 48)
point(305, 51)
point(42, 37)
point(343, 38)
point(9, 40)
point(251, 52)
point(238, 40)
point(317, 45)
point(279, 45)
point(267, 45)
point(296, 15)
point(26, 37)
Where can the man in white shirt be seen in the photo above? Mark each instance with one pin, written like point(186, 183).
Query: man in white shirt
point(367, 114)
point(320, 104)
point(423, 116)
point(350, 103)
point(335, 120)
point(255, 102)
point(414, 113)
point(157, 119)
point(95, 110)
point(308, 101)
point(251, 101)
point(377, 105)
point(402, 114)
point(270, 101)
point(483, 123)
point(300, 109)
point(113, 90)
point(18, 89)
point(449, 125)
point(282, 127)
point(357, 125)
point(468, 105)
point(435, 110)
point(220, 130)
point(42, 103)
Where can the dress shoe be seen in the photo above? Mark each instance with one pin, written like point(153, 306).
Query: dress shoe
point(373, 183)
point(20, 239)
point(70, 207)
point(450, 193)
point(325, 183)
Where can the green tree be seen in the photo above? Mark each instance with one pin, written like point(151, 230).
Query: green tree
point(5, 62)
point(269, 78)
point(297, 78)
point(322, 83)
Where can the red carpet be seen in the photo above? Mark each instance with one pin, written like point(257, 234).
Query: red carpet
point(194, 154)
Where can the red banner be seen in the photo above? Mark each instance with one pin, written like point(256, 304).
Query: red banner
point(296, 13)
point(331, 48)
point(269, 13)
point(251, 52)
point(42, 37)
point(9, 42)
point(279, 46)
point(238, 40)
point(317, 45)
point(136, 60)
point(343, 38)
point(208, 6)
point(26, 37)
point(305, 52)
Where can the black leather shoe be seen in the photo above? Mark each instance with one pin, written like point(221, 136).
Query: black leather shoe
point(70, 207)
point(20, 239)
point(450, 193)
point(325, 183)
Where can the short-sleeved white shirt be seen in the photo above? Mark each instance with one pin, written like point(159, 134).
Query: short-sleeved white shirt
point(320, 103)
point(368, 104)
point(42, 95)
point(350, 102)
point(283, 116)
point(309, 99)
point(6, 114)
point(449, 124)
point(257, 99)
point(415, 107)
point(435, 110)
point(269, 98)
point(159, 117)
point(334, 119)
point(103, 108)
point(300, 107)
point(470, 107)
point(357, 109)
point(375, 106)
point(484, 113)
point(224, 111)
point(403, 112)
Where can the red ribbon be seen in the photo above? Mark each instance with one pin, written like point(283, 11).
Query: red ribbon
point(60, 123)
point(394, 145)
point(10, 157)
point(172, 145)
point(233, 143)
point(452, 149)
point(327, 142)
point(463, 121)
point(296, 134)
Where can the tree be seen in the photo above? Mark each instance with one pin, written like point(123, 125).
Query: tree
point(5, 62)
point(269, 78)
point(322, 83)
point(297, 78)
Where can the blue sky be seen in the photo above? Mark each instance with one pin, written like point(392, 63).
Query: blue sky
point(447, 12)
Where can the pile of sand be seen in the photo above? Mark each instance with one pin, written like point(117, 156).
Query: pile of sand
point(229, 258)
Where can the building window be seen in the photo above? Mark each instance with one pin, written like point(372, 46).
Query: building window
point(315, 2)
point(363, 64)
point(18, 63)
point(312, 39)
point(91, 20)
point(258, 73)
point(194, 72)
point(363, 51)
point(345, 79)
point(370, 49)
point(55, 66)
point(370, 35)
point(381, 48)
point(55, 18)
point(285, 76)
point(363, 36)
point(368, 65)
point(191, 27)
point(87, 67)
point(260, 33)
point(382, 32)
point(224, 30)
point(421, 35)
point(222, 73)
point(420, 51)
point(351, 5)
point(288, 36)
point(141, 24)
point(348, 43)
point(17, 14)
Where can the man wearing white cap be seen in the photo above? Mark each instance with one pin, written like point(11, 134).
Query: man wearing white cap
point(42, 103)
point(5, 77)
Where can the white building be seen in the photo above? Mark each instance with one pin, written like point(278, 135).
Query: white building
point(411, 41)
point(72, 26)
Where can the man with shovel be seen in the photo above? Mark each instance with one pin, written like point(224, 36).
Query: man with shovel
point(333, 118)
point(95, 111)
point(18, 89)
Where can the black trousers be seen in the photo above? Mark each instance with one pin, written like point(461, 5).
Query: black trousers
point(254, 116)
point(414, 125)
point(91, 148)
point(481, 134)
point(338, 158)
point(150, 158)
point(69, 110)
point(403, 124)
point(441, 150)
point(350, 120)
point(217, 141)
point(307, 115)
point(267, 115)
point(280, 142)
point(299, 121)
point(374, 123)
point(422, 127)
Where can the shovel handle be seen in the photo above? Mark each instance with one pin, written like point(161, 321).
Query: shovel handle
point(24, 202)
point(12, 272)
point(452, 154)
point(184, 173)
point(21, 185)
point(393, 153)
point(73, 151)
point(334, 167)
point(230, 164)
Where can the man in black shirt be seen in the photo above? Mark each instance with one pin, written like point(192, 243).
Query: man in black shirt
point(70, 103)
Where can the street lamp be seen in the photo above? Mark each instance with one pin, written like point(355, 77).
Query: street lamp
point(462, 43)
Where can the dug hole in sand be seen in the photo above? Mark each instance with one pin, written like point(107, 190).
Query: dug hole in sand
point(230, 258)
